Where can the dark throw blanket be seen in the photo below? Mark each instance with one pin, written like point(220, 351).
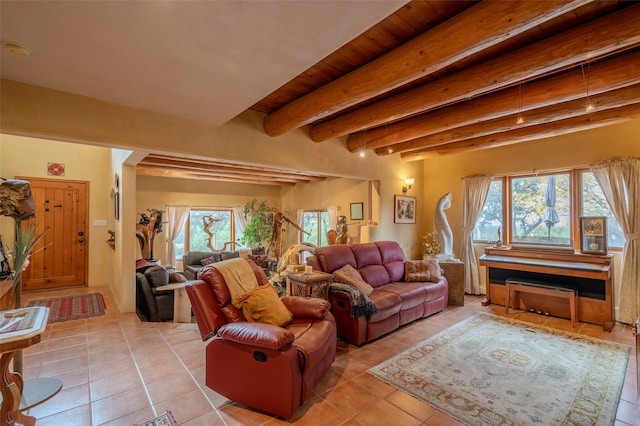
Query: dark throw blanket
point(360, 303)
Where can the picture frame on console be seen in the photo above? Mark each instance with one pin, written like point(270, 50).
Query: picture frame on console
point(404, 209)
point(593, 234)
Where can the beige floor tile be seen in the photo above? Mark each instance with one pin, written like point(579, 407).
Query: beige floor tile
point(78, 416)
point(385, 413)
point(349, 397)
point(173, 384)
point(116, 406)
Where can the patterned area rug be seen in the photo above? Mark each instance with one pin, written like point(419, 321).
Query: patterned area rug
point(164, 419)
point(72, 307)
point(490, 370)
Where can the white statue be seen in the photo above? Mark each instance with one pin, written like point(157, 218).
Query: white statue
point(443, 229)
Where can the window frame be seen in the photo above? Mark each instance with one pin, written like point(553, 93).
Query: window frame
point(319, 213)
point(576, 205)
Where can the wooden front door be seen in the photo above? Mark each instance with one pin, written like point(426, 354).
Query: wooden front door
point(60, 258)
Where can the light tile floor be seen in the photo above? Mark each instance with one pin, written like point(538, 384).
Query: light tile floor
point(117, 370)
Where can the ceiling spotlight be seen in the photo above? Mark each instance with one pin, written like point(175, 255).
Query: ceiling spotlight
point(16, 49)
point(362, 154)
point(520, 120)
point(589, 107)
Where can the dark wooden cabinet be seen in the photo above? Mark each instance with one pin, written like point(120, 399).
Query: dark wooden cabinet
point(592, 275)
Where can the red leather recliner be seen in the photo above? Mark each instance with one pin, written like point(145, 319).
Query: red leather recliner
point(269, 368)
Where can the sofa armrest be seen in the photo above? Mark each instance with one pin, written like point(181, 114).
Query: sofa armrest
point(306, 307)
point(266, 336)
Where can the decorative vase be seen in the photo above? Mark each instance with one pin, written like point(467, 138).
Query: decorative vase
point(7, 294)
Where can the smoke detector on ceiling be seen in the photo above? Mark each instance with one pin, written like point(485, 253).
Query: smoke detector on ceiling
point(16, 49)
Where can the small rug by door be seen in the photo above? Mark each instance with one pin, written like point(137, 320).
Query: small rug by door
point(491, 370)
point(69, 308)
point(164, 419)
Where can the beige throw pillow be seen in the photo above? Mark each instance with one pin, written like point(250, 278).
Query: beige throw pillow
point(422, 270)
point(351, 276)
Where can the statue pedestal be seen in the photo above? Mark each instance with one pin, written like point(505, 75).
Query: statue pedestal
point(454, 272)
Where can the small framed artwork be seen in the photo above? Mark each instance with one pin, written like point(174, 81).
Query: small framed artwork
point(593, 234)
point(404, 210)
point(356, 211)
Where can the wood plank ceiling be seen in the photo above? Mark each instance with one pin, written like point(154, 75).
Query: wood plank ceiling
point(439, 77)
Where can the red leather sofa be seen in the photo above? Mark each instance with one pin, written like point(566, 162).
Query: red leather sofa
point(382, 265)
point(266, 367)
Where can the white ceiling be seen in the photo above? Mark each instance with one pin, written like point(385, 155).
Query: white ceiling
point(203, 60)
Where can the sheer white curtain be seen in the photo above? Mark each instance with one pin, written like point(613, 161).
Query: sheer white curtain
point(241, 222)
point(333, 216)
point(620, 182)
point(476, 190)
point(177, 216)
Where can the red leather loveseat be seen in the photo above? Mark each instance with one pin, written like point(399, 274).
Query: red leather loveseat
point(382, 265)
point(266, 367)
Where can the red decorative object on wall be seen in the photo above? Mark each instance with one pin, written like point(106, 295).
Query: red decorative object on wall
point(55, 169)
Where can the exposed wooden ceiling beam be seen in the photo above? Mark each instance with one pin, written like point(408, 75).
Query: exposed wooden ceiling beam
point(526, 134)
point(493, 22)
point(604, 36)
point(222, 173)
point(619, 72)
point(220, 167)
point(203, 169)
point(163, 172)
point(548, 114)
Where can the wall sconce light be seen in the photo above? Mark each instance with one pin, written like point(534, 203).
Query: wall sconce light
point(409, 182)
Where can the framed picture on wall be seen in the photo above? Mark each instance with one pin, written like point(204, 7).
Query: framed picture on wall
point(356, 211)
point(404, 209)
point(593, 234)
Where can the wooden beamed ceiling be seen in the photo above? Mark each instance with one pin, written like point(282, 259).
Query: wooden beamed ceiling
point(201, 169)
point(440, 77)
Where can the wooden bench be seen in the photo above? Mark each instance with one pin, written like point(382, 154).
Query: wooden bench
point(515, 285)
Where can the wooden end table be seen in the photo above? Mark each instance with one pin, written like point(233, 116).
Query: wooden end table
point(181, 303)
point(314, 284)
point(19, 329)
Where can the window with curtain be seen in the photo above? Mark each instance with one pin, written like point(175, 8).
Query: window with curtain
point(595, 204)
point(491, 217)
point(543, 209)
point(316, 223)
point(207, 228)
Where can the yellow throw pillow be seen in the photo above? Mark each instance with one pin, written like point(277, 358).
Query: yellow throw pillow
point(351, 276)
point(422, 270)
point(263, 305)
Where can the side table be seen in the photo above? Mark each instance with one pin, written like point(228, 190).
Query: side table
point(20, 329)
point(181, 303)
point(454, 273)
point(315, 284)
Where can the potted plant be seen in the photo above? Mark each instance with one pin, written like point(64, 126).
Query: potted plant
point(17, 260)
point(259, 217)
